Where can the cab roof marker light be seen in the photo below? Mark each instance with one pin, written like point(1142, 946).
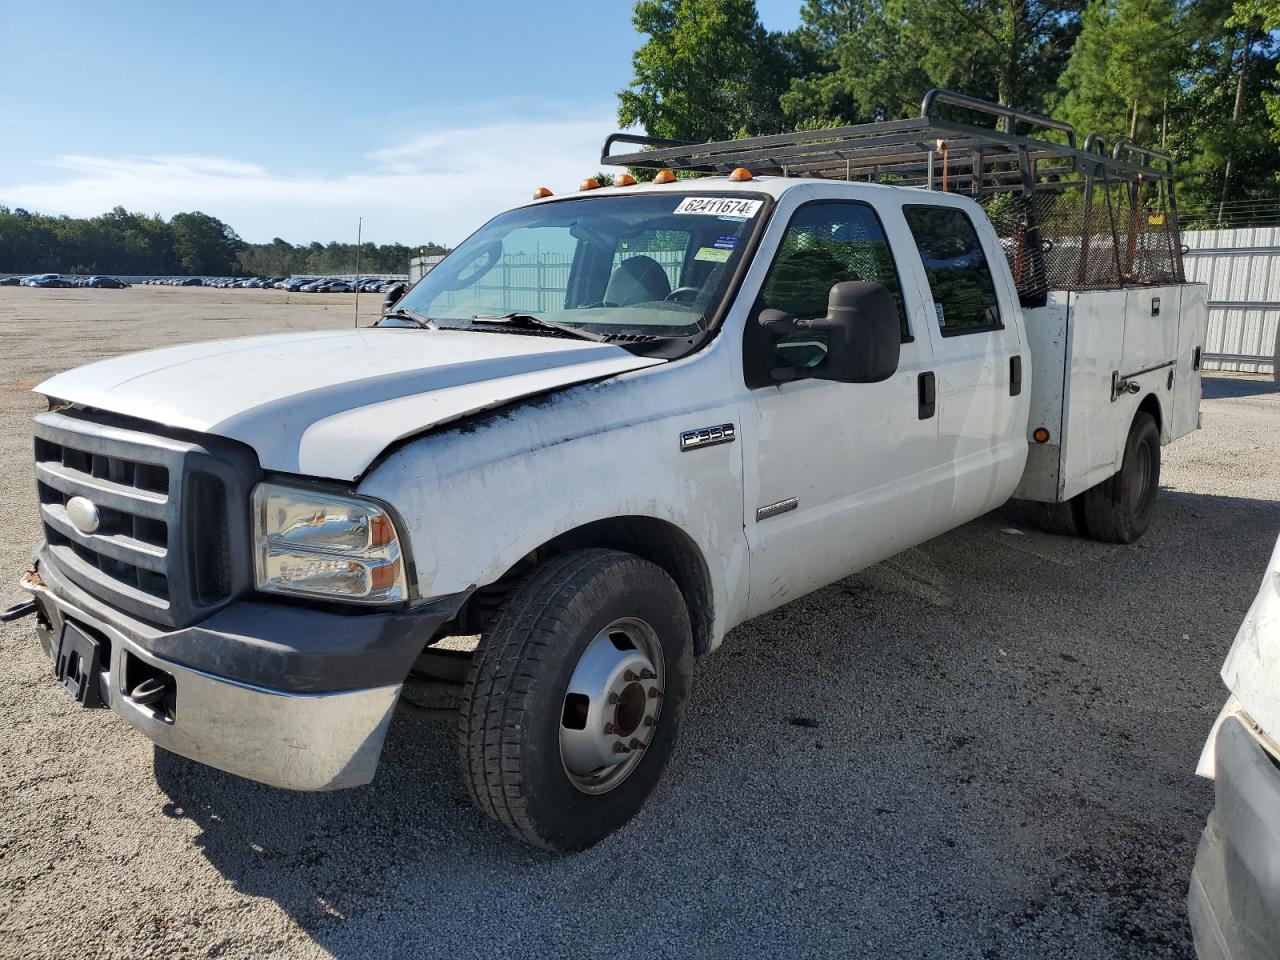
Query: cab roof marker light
point(625, 180)
point(740, 175)
point(541, 193)
point(589, 184)
point(664, 176)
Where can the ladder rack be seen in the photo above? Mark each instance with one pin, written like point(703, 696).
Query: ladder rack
point(1039, 185)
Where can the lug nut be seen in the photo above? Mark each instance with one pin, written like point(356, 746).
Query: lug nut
point(621, 748)
point(630, 676)
point(636, 744)
point(608, 728)
point(654, 693)
point(649, 721)
point(648, 675)
point(612, 698)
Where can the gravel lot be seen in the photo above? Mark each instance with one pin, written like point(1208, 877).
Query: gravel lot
point(981, 748)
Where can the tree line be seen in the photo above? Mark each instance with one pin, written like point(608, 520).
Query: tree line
point(187, 244)
point(1197, 78)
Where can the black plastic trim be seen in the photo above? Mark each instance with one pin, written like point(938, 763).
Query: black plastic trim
point(185, 456)
point(282, 647)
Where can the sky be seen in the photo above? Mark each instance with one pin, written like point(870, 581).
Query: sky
point(291, 119)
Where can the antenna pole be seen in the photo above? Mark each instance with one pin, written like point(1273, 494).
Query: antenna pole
point(359, 228)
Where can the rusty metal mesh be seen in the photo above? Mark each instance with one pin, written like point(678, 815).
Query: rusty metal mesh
point(1069, 239)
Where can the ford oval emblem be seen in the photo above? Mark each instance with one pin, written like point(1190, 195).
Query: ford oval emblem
point(83, 515)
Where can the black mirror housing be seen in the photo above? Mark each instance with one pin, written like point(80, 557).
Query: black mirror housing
point(864, 338)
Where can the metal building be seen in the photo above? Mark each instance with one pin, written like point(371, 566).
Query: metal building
point(1242, 268)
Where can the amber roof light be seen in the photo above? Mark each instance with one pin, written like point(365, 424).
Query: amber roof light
point(540, 193)
point(739, 175)
point(625, 180)
point(665, 176)
point(589, 184)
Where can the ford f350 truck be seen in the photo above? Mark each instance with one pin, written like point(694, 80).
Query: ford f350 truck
point(606, 429)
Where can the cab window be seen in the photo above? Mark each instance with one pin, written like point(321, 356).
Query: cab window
point(827, 242)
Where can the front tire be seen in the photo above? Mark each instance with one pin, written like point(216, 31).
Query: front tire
point(574, 698)
point(1119, 510)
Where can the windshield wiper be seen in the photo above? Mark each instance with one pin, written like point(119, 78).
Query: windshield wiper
point(417, 319)
point(518, 319)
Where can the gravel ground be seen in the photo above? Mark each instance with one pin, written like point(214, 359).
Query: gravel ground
point(981, 748)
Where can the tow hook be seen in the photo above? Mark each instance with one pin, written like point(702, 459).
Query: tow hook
point(18, 611)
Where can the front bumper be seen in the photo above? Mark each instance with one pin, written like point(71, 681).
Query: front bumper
point(1234, 900)
point(288, 696)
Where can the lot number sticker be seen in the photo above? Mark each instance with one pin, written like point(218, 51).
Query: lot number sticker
point(720, 206)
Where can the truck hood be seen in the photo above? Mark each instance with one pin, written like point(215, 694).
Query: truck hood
point(1252, 668)
point(326, 404)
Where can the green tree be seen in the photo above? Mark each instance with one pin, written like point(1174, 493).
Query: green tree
point(121, 242)
point(707, 71)
point(820, 92)
point(203, 244)
point(1124, 68)
point(881, 56)
point(1218, 127)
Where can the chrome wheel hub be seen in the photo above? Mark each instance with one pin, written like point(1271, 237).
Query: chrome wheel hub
point(611, 706)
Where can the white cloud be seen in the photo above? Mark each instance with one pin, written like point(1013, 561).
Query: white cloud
point(438, 185)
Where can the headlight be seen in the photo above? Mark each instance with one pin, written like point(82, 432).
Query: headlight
point(318, 544)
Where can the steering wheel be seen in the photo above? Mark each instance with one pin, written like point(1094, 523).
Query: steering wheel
point(683, 294)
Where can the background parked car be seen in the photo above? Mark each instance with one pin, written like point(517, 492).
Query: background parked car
point(107, 283)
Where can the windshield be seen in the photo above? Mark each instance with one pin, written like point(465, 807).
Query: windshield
point(639, 267)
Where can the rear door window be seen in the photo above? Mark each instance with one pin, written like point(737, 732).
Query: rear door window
point(960, 280)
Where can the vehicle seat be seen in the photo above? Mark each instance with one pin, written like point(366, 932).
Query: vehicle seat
point(636, 280)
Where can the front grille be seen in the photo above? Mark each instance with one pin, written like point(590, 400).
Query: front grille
point(167, 547)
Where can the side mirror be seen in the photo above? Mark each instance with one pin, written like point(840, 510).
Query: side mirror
point(864, 338)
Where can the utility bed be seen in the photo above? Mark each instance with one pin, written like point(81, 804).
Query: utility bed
point(1096, 356)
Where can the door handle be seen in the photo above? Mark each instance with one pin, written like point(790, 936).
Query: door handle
point(927, 389)
point(1015, 376)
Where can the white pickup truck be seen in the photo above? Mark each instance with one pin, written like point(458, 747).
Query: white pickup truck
point(606, 429)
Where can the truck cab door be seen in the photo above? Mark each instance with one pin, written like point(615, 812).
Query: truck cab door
point(837, 475)
point(981, 363)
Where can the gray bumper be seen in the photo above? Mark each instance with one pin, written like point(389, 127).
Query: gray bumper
point(306, 736)
point(1234, 900)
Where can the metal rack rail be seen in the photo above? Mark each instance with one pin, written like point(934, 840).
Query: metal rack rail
point(1039, 185)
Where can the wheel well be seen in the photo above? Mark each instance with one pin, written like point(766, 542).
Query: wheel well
point(657, 541)
point(661, 543)
point(1151, 405)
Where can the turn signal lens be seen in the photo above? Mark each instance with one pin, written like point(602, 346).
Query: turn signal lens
point(589, 184)
point(665, 176)
point(739, 175)
point(1040, 435)
point(540, 193)
point(625, 180)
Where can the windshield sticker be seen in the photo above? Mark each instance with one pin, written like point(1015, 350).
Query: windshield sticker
point(720, 206)
point(726, 242)
point(713, 254)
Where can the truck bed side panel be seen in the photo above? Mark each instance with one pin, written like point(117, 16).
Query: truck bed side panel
point(1094, 427)
point(1193, 322)
point(1047, 336)
point(1150, 329)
